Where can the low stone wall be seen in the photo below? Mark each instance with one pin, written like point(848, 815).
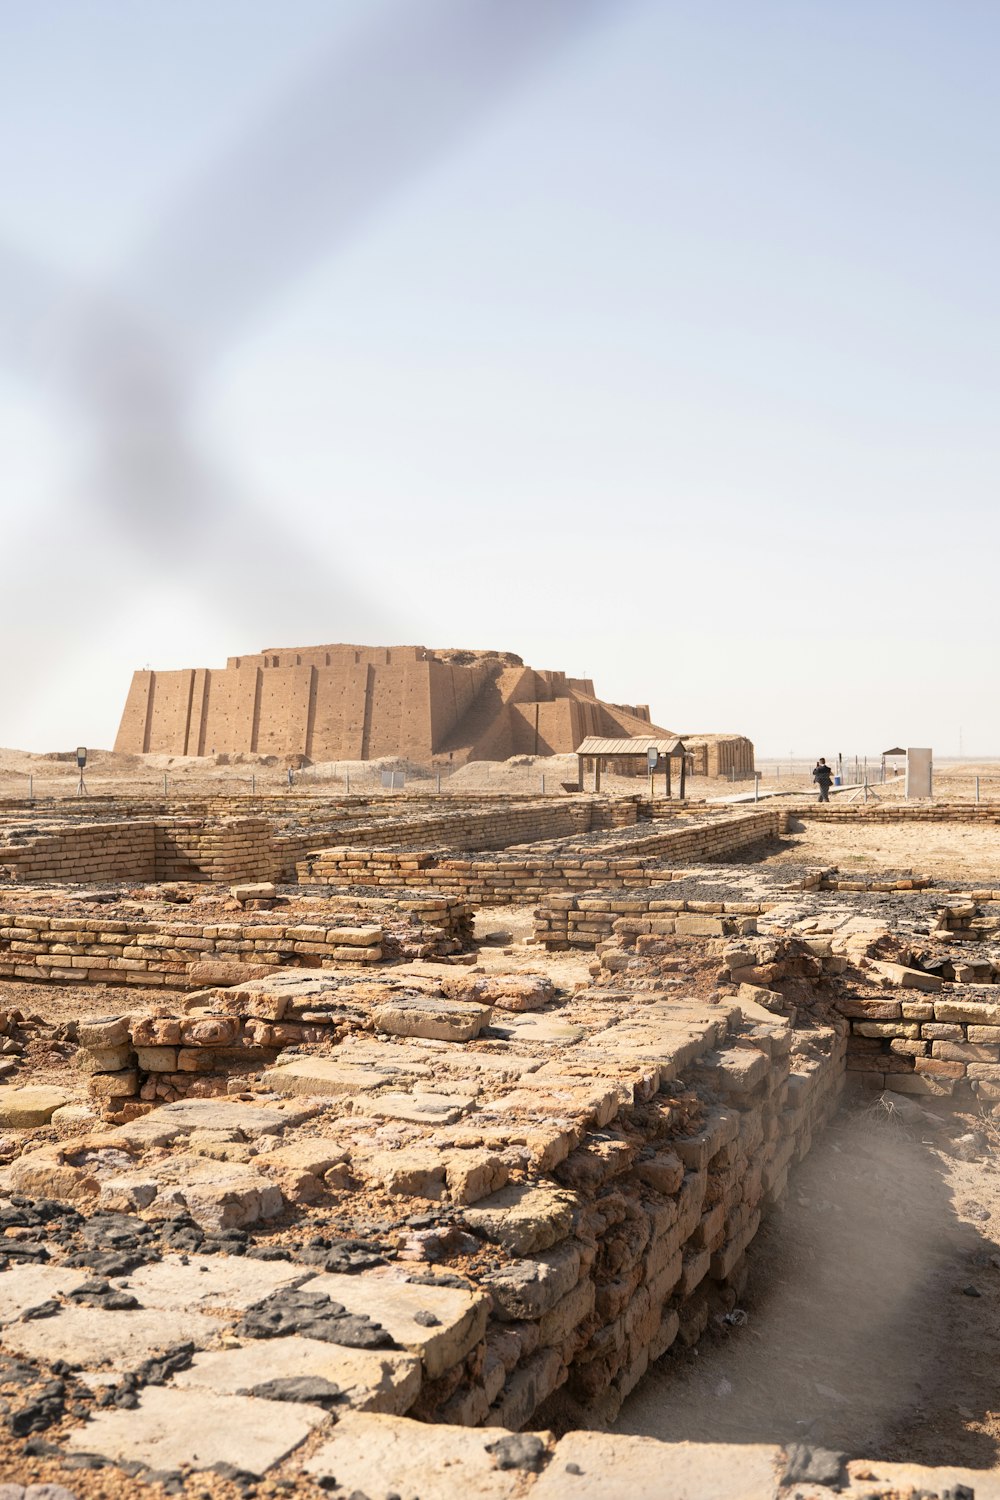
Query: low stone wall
point(523, 876)
point(587, 921)
point(894, 812)
point(939, 1043)
point(227, 850)
point(260, 846)
point(91, 852)
point(95, 949)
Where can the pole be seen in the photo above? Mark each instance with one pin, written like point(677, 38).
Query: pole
point(543, 783)
point(164, 783)
point(31, 787)
point(253, 783)
point(756, 786)
point(439, 781)
point(348, 775)
point(977, 788)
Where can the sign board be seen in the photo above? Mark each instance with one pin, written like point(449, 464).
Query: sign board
point(919, 773)
point(393, 779)
point(652, 759)
point(81, 756)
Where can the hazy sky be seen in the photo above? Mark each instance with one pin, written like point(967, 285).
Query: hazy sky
point(675, 365)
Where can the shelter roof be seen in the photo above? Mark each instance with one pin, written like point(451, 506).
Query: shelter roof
point(639, 744)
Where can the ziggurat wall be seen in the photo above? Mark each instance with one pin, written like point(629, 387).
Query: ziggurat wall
point(341, 702)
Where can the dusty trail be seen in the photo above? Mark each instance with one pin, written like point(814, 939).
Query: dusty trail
point(858, 1335)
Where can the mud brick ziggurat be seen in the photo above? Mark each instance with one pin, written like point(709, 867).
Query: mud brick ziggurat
point(361, 702)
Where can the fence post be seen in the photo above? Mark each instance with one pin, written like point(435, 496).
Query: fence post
point(543, 783)
point(756, 786)
point(348, 776)
point(31, 787)
point(439, 781)
point(977, 788)
point(164, 783)
point(253, 783)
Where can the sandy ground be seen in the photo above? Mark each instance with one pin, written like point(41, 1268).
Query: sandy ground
point(946, 851)
point(56, 775)
point(860, 1333)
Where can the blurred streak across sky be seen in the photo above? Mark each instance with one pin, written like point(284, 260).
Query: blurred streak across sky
point(647, 341)
point(355, 129)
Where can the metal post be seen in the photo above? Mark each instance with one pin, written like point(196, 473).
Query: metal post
point(348, 775)
point(756, 786)
point(253, 783)
point(439, 781)
point(164, 783)
point(543, 783)
point(977, 788)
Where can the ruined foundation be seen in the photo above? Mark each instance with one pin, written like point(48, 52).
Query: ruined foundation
point(316, 1135)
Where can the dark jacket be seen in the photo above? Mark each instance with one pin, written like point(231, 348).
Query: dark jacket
point(823, 775)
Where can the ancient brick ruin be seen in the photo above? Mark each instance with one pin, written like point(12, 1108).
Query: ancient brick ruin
point(362, 702)
point(341, 1190)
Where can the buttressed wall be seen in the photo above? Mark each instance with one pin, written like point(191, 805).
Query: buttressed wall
point(362, 702)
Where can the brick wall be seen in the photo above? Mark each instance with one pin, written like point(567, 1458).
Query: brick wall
point(521, 877)
point(96, 949)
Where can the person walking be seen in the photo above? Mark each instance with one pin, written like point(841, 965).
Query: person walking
point(823, 776)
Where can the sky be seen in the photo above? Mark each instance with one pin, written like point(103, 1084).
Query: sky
point(653, 341)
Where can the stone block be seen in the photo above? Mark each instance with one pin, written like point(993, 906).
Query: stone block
point(380, 1455)
point(378, 1380)
point(103, 1031)
point(523, 1218)
point(104, 1059)
point(121, 1085)
point(156, 1059)
point(440, 1324)
point(174, 1429)
point(901, 977)
point(93, 1337)
point(22, 1108)
point(440, 1020)
point(530, 1288)
point(598, 1465)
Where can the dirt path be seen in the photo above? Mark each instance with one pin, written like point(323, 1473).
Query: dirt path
point(859, 1335)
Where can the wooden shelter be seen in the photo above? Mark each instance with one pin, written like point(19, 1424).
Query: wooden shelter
point(638, 747)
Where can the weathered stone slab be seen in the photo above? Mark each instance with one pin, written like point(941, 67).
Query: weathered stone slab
point(26, 1107)
point(169, 1121)
point(523, 1218)
point(90, 1336)
point(23, 1288)
point(370, 1379)
point(606, 1464)
point(327, 1076)
point(217, 1194)
point(531, 1028)
point(171, 1428)
point(413, 1172)
point(375, 1455)
point(900, 977)
point(419, 1108)
point(402, 1308)
point(440, 1020)
point(503, 991)
point(529, 1288)
point(210, 1281)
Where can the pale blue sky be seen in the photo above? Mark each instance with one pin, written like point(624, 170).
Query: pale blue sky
point(678, 367)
